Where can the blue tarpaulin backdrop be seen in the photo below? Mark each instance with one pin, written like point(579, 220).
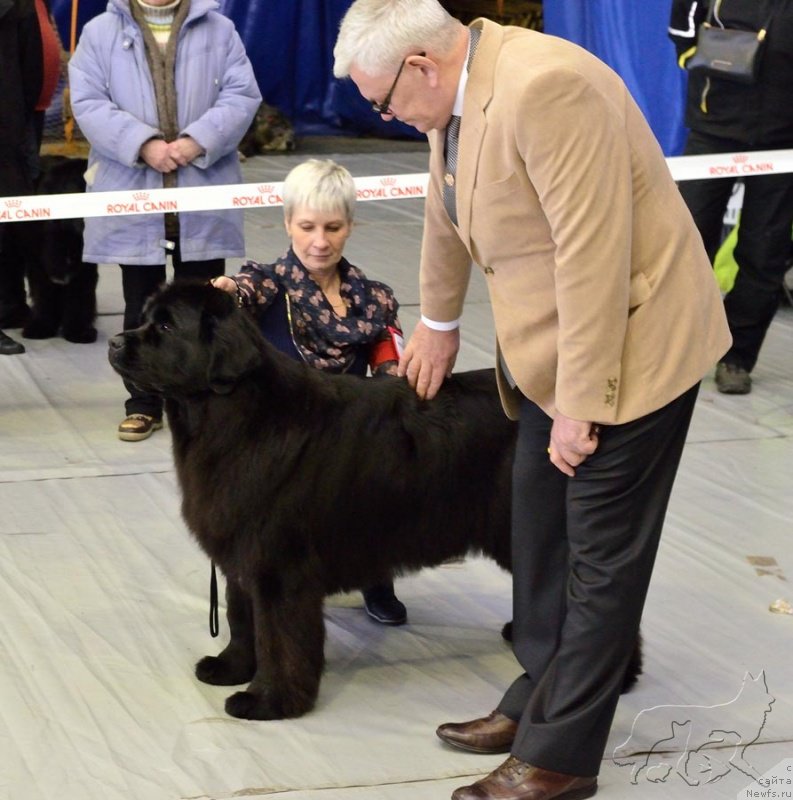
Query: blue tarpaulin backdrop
point(290, 43)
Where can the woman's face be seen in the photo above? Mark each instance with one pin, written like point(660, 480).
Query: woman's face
point(318, 238)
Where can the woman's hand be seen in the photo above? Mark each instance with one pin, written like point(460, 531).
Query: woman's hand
point(184, 150)
point(386, 368)
point(156, 153)
point(225, 283)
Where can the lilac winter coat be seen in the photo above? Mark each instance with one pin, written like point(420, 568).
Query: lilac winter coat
point(113, 102)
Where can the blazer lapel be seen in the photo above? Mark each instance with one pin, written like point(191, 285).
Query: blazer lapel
point(478, 93)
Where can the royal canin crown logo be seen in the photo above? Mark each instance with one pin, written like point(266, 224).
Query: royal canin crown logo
point(141, 195)
point(388, 181)
point(265, 188)
point(740, 158)
point(13, 203)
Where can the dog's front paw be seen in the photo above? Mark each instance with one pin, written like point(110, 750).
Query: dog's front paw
point(224, 671)
point(247, 705)
point(267, 705)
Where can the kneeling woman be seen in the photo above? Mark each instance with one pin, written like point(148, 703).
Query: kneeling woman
point(315, 306)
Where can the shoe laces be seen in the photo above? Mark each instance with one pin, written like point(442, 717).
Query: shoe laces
point(515, 769)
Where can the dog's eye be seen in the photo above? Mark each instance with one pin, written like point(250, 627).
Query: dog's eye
point(165, 327)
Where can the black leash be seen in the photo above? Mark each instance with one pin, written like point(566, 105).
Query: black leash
point(214, 626)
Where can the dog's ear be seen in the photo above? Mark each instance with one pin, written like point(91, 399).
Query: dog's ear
point(233, 340)
point(218, 303)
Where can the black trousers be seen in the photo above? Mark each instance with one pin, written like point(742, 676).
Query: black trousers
point(583, 550)
point(138, 283)
point(763, 248)
point(20, 240)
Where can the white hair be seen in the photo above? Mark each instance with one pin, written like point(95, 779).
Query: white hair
point(320, 185)
point(375, 35)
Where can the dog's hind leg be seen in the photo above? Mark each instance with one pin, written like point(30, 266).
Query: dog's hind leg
point(290, 641)
point(79, 306)
point(236, 664)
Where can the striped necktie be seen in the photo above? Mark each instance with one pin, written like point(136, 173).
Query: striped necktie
point(452, 146)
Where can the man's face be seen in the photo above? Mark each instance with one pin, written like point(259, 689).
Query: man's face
point(414, 97)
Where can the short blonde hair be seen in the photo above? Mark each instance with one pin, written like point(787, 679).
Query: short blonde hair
point(320, 185)
point(376, 35)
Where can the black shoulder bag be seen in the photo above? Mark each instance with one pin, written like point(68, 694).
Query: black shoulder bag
point(727, 53)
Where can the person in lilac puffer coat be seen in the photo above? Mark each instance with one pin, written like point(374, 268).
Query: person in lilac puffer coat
point(163, 91)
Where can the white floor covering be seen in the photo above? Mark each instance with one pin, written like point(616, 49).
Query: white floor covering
point(103, 597)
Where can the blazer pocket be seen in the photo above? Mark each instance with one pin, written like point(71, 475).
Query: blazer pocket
point(490, 192)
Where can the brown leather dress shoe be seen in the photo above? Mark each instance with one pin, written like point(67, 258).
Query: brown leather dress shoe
point(491, 734)
point(517, 780)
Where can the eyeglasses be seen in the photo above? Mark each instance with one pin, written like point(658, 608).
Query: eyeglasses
point(383, 108)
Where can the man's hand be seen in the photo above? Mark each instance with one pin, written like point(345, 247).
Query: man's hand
point(428, 358)
point(157, 154)
point(184, 150)
point(572, 441)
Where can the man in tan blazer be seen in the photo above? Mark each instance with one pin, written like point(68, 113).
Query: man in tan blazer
point(607, 316)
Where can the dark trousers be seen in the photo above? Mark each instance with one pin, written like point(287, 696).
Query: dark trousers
point(583, 550)
point(19, 240)
point(14, 251)
point(763, 248)
point(138, 283)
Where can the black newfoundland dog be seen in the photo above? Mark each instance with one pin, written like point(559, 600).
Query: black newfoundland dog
point(62, 285)
point(299, 484)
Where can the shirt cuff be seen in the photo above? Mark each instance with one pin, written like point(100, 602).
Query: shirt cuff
point(441, 326)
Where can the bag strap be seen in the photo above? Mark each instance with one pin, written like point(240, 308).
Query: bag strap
point(715, 5)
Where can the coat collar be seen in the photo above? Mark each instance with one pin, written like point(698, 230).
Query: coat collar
point(198, 8)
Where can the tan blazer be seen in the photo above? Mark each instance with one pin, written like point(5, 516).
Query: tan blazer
point(605, 304)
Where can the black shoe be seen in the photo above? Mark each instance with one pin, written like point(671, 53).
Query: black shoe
point(383, 606)
point(9, 347)
point(732, 379)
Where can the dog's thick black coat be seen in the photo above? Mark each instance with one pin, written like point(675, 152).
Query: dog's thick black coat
point(299, 484)
point(62, 286)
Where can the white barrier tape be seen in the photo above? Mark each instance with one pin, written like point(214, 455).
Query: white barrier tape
point(731, 165)
point(203, 198)
point(378, 187)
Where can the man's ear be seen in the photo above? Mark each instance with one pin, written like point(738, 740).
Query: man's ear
point(428, 67)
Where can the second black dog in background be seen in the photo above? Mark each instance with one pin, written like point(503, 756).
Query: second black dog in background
point(62, 286)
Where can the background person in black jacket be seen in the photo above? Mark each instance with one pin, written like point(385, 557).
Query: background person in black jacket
point(20, 81)
point(29, 72)
point(724, 116)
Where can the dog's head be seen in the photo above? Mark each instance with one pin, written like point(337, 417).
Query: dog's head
point(193, 339)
